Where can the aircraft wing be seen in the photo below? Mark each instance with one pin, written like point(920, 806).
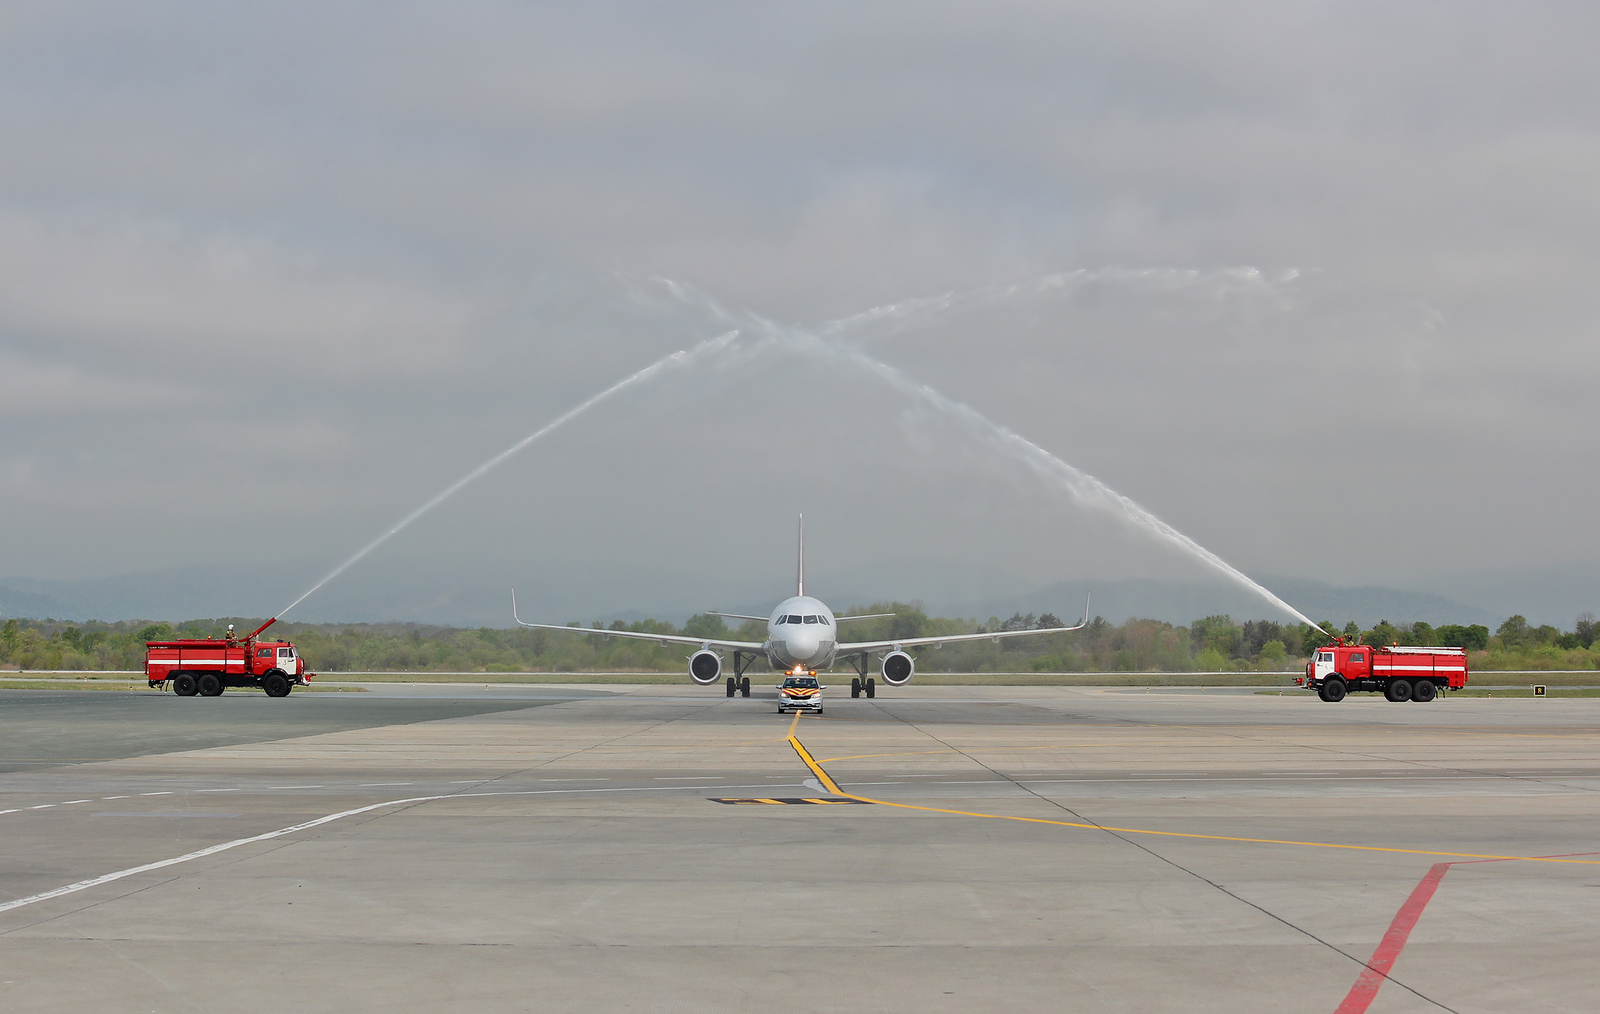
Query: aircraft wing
point(754, 647)
point(912, 642)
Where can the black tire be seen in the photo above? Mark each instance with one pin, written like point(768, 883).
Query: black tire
point(1424, 691)
point(855, 686)
point(1333, 689)
point(275, 685)
point(730, 686)
point(744, 687)
point(872, 687)
point(1398, 691)
point(210, 685)
point(184, 685)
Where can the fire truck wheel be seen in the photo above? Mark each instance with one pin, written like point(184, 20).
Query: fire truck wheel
point(1398, 691)
point(1424, 691)
point(183, 685)
point(209, 685)
point(276, 686)
point(1333, 690)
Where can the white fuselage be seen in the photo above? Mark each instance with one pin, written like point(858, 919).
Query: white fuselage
point(801, 633)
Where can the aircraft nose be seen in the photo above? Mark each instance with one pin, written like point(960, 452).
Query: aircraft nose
point(802, 646)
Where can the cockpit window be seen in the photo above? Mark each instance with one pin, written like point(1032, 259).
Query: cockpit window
point(822, 620)
point(780, 619)
point(793, 618)
point(810, 619)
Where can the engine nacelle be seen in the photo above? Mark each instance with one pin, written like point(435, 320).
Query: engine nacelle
point(897, 668)
point(705, 666)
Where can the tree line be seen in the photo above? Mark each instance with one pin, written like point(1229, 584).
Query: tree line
point(1210, 644)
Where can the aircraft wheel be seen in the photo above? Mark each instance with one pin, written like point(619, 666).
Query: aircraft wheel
point(183, 685)
point(855, 686)
point(731, 686)
point(872, 687)
point(744, 686)
point(1333, 690)
point(1424, 691)
point(1398, 691)
point(210, 685)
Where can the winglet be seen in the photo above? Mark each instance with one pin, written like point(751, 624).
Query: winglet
point(514, 615)
point(800, 579)
point(1086, 597)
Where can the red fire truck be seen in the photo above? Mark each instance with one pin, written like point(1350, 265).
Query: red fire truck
point(209, 665)
point(1400, 674)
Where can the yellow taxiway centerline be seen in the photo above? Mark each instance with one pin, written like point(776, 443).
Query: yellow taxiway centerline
point(833, 787)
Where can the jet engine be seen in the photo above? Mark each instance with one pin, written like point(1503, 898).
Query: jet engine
point(897, 668)
point(705, 666)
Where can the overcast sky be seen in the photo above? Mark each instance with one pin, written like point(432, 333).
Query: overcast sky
point(1315, 283)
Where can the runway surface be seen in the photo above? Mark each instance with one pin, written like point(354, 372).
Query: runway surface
point(543, 848)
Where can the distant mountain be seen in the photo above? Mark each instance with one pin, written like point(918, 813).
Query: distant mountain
point(446, 595)
point(1181, 603)
point(1554, 595)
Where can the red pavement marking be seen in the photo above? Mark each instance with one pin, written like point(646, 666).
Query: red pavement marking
point(1366, 988)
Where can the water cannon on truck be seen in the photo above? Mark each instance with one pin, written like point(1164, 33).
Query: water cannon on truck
point(1399, 673)
point(209, 665)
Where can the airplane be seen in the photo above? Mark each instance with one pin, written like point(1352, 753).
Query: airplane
point(801, 638)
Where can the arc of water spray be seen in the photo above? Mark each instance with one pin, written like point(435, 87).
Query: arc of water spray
point(1079, 484)
point(676, 359)
point(1082, 486)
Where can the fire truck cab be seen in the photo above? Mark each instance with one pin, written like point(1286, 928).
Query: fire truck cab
point(1400, 674)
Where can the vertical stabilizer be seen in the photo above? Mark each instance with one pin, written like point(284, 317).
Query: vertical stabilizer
point(800, 570)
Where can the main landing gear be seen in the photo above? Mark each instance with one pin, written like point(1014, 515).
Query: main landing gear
point(739, 685)
point(862, 683)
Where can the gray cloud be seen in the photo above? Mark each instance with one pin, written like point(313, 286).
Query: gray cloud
point(1311, 282)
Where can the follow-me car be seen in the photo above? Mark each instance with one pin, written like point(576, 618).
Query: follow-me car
point(802, 637)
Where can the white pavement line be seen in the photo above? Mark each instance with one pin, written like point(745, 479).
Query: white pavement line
point(166, 792)
point(84, 885)
point(219, 790)
point(382, 785)
point(9, 811)
point(71, 801)
point(42, 806)
point(104, 798)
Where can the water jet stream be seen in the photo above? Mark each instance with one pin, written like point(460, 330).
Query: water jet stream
point(677, 359)
point(1080, 485)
